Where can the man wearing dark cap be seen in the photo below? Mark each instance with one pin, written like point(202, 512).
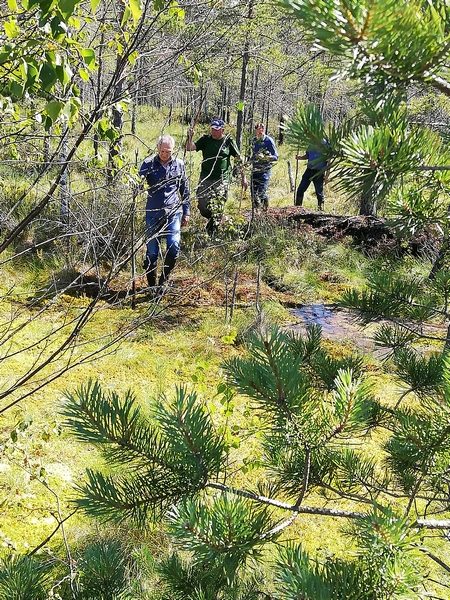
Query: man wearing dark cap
point(217, 150)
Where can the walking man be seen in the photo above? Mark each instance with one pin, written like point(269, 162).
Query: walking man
point(167, 209)
point(212, 192)
point(264, 154)
point(315, 173)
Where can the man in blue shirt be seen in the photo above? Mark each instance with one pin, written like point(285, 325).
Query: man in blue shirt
point(264, 154)
point(315, 173)
point(167, 209)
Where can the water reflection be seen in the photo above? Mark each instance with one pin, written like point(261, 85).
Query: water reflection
point(337, 325)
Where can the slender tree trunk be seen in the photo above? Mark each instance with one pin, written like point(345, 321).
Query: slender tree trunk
point(64, 181)
point(290, 176)
point(251, 110)
point(98, 89)
point(137, 92)
point(242, 90)
point(46, 151)
point(227, 105)
point(368, 206)
point(268, 105)
point(281, 129)
point(117, 121)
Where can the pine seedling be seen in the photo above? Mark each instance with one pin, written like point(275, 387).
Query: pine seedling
point(422, 375)
point(23, 578)
point(271, 376)
point(388, 544)
point(104, 572)
point(298, 576)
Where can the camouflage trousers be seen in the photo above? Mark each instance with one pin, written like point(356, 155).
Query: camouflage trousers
point(211, 197)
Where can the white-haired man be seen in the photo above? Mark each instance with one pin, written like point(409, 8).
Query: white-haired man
point(167, 209)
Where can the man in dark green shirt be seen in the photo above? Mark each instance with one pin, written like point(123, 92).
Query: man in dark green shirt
point(212, 192)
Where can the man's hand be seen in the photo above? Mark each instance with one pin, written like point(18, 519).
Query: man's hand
point(184, 220)
point(190, 146)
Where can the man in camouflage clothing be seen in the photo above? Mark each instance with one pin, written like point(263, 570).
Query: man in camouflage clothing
point(212, 192)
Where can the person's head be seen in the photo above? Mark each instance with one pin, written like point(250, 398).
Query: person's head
point(217, 127)
point(259, 130)
point(165, 146)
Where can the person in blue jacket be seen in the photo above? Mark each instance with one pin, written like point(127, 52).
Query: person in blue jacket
point(167, 208)
point(264, 154)
point(315, 172)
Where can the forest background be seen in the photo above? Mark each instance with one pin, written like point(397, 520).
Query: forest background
point(86, 88)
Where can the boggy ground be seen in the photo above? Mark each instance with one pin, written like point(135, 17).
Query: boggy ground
point(183, 337)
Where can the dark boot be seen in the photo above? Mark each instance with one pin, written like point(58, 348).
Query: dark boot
point(168, 267)
point(211, 227)
point(320, 206)
point(150, 272)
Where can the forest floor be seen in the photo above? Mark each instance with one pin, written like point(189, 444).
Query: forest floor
point(184, 342)
point(183, 338)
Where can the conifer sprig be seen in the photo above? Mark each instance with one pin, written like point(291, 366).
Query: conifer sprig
point(223, 533)
point(165, 460)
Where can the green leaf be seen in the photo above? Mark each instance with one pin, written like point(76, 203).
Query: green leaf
point(53, 109)
point(74, 23)
point(126, 16)
point(83, 74)
point(133, 57)
point(136, 10)
point(12, 5)
point(67, 7)
point(47, 76)
point(111, 134)
point(94, 5)
point(72, 109)
point(64, 73)
point(88, 55)
point(32, 74)
point(17, 89)
point(11, 28)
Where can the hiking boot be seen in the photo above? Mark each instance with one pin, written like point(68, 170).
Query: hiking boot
point(150, 272)
point(151, 278)
point(167, 269)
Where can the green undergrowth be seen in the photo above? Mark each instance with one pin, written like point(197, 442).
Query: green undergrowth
point(181, 346)
point(39, 462)
point(41, 465)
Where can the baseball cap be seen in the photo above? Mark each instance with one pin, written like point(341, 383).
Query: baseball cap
point(217, 124)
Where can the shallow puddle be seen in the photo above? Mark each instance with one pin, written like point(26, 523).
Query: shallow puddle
point(338, 325)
